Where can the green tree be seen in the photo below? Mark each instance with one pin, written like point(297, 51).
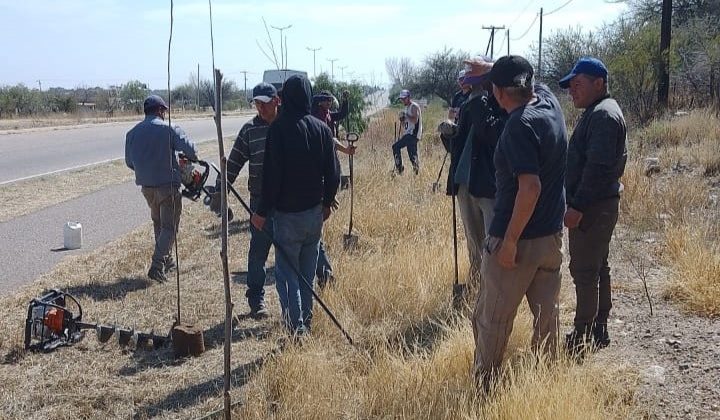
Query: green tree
point(132, 95)
point(357, 101)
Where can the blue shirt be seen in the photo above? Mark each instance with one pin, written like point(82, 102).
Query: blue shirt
point(534, 141)
point(150, 153)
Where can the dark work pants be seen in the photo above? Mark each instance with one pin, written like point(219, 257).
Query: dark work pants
point(410, 142)
point(589, 249)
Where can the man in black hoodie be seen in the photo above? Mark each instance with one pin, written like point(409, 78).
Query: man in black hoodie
point(301, 176)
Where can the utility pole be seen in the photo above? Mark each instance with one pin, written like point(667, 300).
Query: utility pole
point(245, 72)
point(314, 50)
point(286, 52)
point(342, 72)
point(332, 67)
point(538, 71)
point(40, 87)
point(198, 89)
point(664, 65)
point(507, 34)
point(492, 30)
point(282, 55)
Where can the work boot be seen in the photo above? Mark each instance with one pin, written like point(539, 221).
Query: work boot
point(399, 169)
point(157, 274)
point(259, 311)
point(575, 343)
point(601, 338)
point(169, 264)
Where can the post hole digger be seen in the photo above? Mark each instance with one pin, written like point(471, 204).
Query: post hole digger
point(349, 240)
point(51, 323)
point(279, 249)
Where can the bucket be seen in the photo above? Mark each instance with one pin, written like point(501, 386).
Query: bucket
point(73, 235)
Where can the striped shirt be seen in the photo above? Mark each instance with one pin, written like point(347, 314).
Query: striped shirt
point(249, 148)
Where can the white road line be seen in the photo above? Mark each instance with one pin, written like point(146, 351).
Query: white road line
point(60, 170)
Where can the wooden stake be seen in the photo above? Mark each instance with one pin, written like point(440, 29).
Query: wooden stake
point(224, 238)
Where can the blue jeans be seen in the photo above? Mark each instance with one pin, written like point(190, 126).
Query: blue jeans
point(260, 243)
point(410, 142)
point(323, 263)
point(298, 238)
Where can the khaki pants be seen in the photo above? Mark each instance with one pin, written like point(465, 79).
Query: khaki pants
point(476, 214)
point(166, 219)
point(589, 246)
point(537, 277)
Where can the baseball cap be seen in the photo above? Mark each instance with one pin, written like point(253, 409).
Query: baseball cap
point(264, 92)
point(154, 101)
point(324, 96)
point(404, 94)
point(585, 65)
point(511, 71)
point(477, 69)
point(461, 74)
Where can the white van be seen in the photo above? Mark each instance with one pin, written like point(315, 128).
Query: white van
point(278, 77)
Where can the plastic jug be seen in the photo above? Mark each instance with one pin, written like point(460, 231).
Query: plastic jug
point(73, 235)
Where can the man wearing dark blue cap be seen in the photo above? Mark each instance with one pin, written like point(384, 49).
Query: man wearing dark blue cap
point(249, 147)
point(596, 160)
point(523, 252)
point(150, 149)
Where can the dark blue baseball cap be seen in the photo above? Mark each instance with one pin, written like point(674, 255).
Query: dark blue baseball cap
point(585, 65)
point(153, 102)
point(264, 92)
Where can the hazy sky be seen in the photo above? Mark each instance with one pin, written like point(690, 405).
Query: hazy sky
point(102, 42)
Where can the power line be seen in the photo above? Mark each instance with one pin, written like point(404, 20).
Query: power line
point(521, 12)
point(559, 8)
point(527, 30)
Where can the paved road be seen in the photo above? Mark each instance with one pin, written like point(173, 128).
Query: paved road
point(29, 153)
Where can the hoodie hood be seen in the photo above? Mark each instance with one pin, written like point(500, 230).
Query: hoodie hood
point(296, 96)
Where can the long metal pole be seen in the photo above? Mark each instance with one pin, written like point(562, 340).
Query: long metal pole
point(538, 71)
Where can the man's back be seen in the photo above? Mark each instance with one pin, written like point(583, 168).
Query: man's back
point(150, 151)
point(534, 141)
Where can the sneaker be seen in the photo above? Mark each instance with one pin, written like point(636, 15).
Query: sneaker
point(601, 338)
point(157, 274)
point(399, 169)
point(326, 279)
point(259, 311)
point(416, 169)
point(169, 264)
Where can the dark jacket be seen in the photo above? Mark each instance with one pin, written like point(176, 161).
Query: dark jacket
point(249, 147)
point(484, 114)
point(597, 155)
point(300, 169)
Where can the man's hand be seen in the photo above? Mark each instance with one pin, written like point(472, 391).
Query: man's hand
point(350, 149)
point(507, 254)
point(326, 212)
point(345, 94)
point(572, 218)
point(257, 221)
point(401, 115)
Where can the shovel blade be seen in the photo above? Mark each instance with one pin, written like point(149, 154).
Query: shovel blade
point(435, 187)
point(344, 182)
point(350, 241)
point(460, 292)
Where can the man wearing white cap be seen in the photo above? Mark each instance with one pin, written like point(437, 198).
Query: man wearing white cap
point(411, 122)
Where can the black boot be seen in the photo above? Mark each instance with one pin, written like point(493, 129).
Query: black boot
point(601, 338)
point(576, 342)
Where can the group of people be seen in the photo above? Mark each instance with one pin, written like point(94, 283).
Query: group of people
point(290, 148)
point(517, 181)
point(515, 176)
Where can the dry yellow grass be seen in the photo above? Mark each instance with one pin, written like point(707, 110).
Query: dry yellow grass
point(694, 257)
point(413, 356)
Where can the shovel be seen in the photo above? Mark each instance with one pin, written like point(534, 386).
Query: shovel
point(459, 290)
point(436, 184)
point(350, 241)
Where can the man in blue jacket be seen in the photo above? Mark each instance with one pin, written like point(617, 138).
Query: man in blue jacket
point(150, 149)
point(301, 175)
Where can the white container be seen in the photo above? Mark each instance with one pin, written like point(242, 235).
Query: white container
point(73, 235)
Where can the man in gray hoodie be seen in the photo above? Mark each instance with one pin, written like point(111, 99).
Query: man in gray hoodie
point(150, 149)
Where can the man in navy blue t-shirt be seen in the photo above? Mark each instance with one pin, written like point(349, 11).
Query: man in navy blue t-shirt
point(523, 252)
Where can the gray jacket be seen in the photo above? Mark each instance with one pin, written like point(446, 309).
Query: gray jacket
point(596, 155)
point(150, 149)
